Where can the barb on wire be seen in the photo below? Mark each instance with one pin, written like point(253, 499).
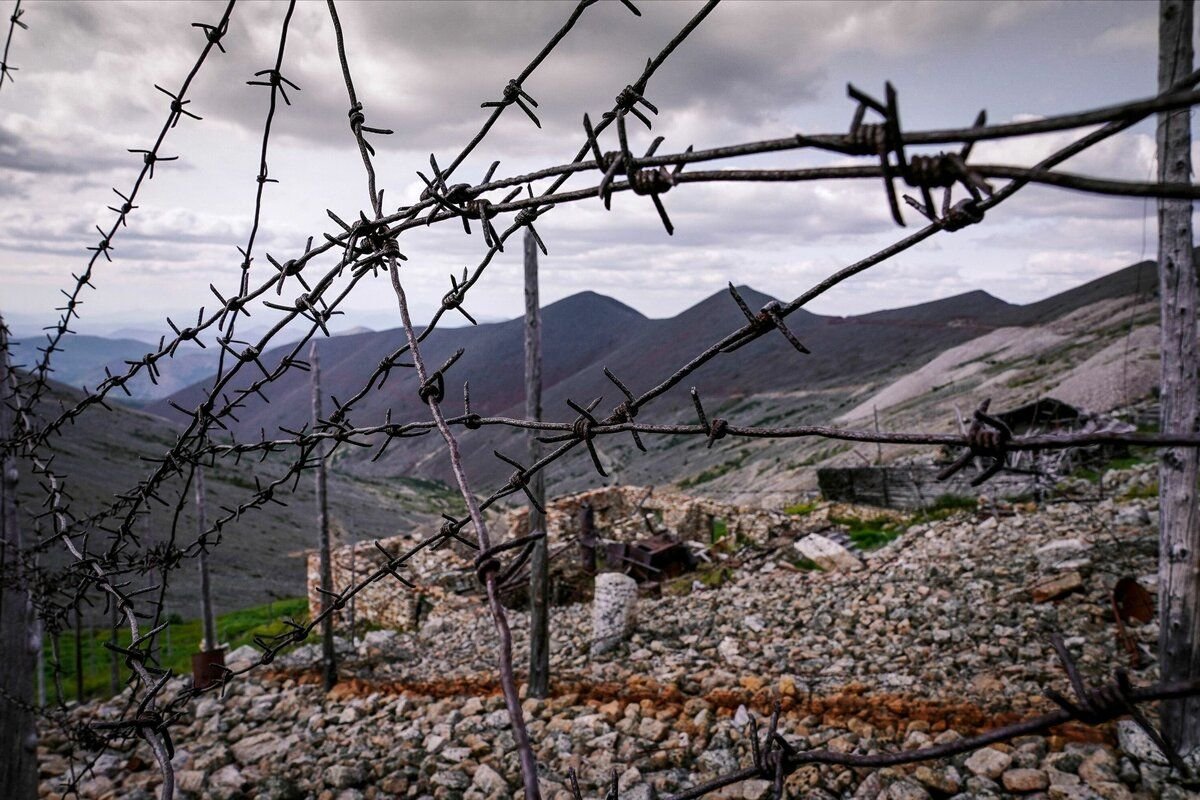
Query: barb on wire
point(371, 243)
point(14, 21)
point(987, 437)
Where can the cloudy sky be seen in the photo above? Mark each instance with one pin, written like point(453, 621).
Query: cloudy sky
point(85, 93)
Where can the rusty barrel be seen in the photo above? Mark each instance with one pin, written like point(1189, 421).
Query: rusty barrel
point(206, 667)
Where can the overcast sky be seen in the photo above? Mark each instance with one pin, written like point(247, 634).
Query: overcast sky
point(85, 93)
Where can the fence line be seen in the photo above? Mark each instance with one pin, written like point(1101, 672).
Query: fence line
point(370, 244)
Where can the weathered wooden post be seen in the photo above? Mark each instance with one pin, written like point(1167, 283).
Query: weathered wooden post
point(206, 663)
point(587, 538)
point(18, 632)
point(539, 571)
point(329, 656)
point(114, 666)
point(78, 654)
point(1179, 519)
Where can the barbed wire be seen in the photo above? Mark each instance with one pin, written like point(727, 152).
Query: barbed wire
point(40, 373)
point(14, 21)
point(370, 244)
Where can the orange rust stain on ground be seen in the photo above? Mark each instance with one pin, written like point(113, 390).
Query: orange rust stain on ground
point(881, 710)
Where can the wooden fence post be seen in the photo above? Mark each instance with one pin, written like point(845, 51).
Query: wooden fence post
point(18, 632)
point(1179, 528)
point(539, 567)
point(329, 655)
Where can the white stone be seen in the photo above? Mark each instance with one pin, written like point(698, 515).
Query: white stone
point(826, 553)
point(243, 657)
point(1052, 555)
point(988, 762)
point(488, 780)
point(1137, 744)
point(613, 610)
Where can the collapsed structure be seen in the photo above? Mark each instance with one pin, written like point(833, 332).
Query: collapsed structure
point(1028, 474)
point(650, 533)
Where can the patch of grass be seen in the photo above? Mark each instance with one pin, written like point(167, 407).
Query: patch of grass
point(712, 473)
point(807, 564)
point(720, 529)
point(175, 645)
point(1094, 474)
point(869, 534)
point(801, 509)
point(1147, 492)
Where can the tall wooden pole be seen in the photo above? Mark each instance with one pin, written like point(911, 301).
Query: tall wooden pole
point(539, 572)
point(114, 666)
point(329, 655)
point(18, 632)
point(208, 620)
point(1179, 517)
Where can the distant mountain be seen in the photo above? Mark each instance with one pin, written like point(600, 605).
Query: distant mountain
point(586, 332)
point(262, 553)
point(82, 360)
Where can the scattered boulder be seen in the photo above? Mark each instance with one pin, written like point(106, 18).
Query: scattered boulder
point(613, 610)
point(826, 553)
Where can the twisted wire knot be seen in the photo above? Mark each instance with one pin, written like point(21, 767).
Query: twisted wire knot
point(519, 480)
point(582, 427)
point(624, 413)
point(867, 139)
point(628, 97)
point(452, 299)
point(473, 422)
point(651, 181)
point(479, 208)
point(486, 564)
point(526, 216)
point(512, 90)
point(434, 388)
point(962, 214)
point(932, 171)
point(717, 430)
point(357, 118)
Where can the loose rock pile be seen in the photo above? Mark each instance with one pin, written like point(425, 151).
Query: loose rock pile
point(938, 635)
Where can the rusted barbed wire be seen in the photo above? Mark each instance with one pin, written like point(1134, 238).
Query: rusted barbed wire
point(370, 245)
point(14, 21)
point(40, 373)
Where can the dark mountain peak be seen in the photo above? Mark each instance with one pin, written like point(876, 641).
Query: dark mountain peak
point(721, 305)
point(589, 302)
point(973, 305)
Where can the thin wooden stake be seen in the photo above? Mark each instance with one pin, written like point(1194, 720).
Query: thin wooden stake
point(329, 655)
point(539, 567)
point(1179, 529)
point(18, 735)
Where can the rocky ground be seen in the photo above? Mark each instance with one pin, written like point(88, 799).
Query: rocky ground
point(942, 633)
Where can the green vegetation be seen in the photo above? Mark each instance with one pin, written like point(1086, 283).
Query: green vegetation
point(712, 473)
point(869, 534)
point(1137, 455)
point(1147, 492)
point(807, 564)
point(801, 509)
point(175, 645)
point(874, 532)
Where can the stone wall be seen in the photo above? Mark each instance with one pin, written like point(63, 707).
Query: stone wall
point(438, 575)
point(619, 516)
point(445, 577)
point(914, 486)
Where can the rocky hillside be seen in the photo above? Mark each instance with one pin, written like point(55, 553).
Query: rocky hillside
point(940, 634)
point(261, 556)
point(853, 359)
